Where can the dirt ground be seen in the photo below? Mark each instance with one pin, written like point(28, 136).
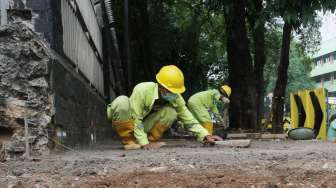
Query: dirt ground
point(182, 163)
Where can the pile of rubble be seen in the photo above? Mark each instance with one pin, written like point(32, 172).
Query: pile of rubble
point(24, 91)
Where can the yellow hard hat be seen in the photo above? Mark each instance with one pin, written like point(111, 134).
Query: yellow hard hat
point(171, 78)
point(227, 89)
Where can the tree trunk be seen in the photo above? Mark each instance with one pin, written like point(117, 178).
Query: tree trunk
point(147, 48)
point(281, 83)
point(259, 60)
point(193, 69)
point(127, 47)
point(259, 72)
point(107, 70)
point(141, 42)
point(241, 73)
point(143, 68)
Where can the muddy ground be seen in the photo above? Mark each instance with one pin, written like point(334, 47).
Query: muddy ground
point(182, 163)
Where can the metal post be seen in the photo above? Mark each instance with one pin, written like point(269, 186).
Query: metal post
point(27, 154)
point(3, 11)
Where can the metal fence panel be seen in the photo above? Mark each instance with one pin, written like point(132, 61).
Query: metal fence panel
point(90, 19)
point(77, 48)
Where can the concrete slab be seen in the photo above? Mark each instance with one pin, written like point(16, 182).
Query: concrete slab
point(256, 136)
point(234, 143)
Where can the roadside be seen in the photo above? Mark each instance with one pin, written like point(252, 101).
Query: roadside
point(182, 163)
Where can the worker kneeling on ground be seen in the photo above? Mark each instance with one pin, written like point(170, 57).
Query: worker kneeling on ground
point(141, 119)
point(200, 104)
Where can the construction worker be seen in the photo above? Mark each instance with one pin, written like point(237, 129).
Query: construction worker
point(331, 133)
point(141, 119)
point(200, 104)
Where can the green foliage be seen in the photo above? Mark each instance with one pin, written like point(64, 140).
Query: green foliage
point(295, 12)
point(165, 33)
point(310, 36)
point(192, 35)
point(299, 66)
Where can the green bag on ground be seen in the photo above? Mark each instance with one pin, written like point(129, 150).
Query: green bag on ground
point(301, 133)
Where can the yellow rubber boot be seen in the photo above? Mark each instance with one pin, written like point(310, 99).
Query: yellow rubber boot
point(125, 132)
point(156, 132)
point(208, 126)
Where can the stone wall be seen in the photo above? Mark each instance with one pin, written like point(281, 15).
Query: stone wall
point(24, 89)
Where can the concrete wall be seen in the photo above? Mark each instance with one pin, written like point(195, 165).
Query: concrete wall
point(80, 114)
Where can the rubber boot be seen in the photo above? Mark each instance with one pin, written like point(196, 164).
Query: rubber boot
point(209, 127)
point(156, 132)
point(125, 131)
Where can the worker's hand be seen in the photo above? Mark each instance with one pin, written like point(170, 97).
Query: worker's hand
point(154, 145)
point(211, 139)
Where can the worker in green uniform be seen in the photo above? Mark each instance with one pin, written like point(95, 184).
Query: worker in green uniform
point(141, 119)
point(200, 104)
point(331, 134)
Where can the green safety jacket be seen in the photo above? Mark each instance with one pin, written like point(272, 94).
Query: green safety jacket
point(141, 103)
point(203, 102)
point(332, 131)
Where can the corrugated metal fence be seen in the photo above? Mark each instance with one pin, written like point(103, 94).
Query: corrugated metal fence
point(90, 19)
point(82, 42)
